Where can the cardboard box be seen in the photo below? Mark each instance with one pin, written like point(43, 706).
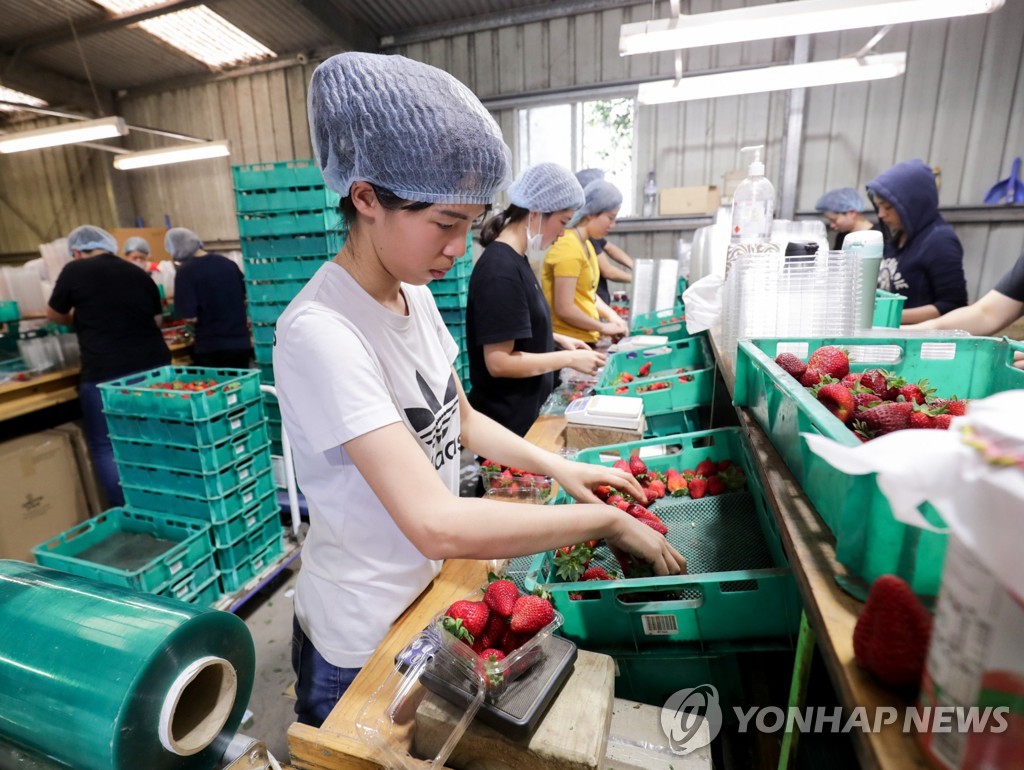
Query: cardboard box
point(675, 201)
point(95, 497)
point(587, 436)
point(42, 492)
point(154, 237)
point(730, 180)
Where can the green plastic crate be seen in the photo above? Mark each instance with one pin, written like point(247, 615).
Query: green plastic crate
point(650, 323)
point(253, 567)
point(270, 176)
point(200, 432)
point(203, 595)
point(450, 301)
point(671, 422)
point(674, 330)
point(273, 291)
point(286, 199)
point(652, 676)
point(233, 555)
point(679, 395)
point(140, 395)
point(139, 549)
point(290, 223)
point(9, 311)
point(324, 245)
point(869, 541)
point(249, 519)
point(888, 309)
point(217, 509)
point(263, 334)
point(266, 312)
point(202, 459)
point(206, 484)
point(740, 586)
point(283, 268)
point(689, 353)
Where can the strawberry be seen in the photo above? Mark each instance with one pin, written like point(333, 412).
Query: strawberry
point(875, 380)
point(632, 567)
point(698, 487)
point(506, 479)
point(513, 641)
point(571, 560)
point(850, 381)
point(724, 464)
point(942, 421)
point(596, 573)
point(622, 465)
point(637, 466)
point(812, 376)
point(492, 634)
point(488, 666)
point(676, 484)
point(654, 523)
point(644, 370)
point(837, 399)
point(865, 399)
point(657, 487)
point(465, 620)
point(603, 492)
point(921, 419)
point(890, 639)
point(707, 468)
point(917, 393)
point(953, 405)
point(636, 510)
point(716, 486)
point(621, 391)
point(830, 360)
point(884, 418)
point(792, 365)
point(530, 615)
point(625, 377)
point(501, 596)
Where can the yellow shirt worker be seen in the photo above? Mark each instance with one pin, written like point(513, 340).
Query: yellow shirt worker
point(569, 258)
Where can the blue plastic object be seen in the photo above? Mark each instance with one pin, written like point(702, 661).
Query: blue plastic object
point(1009, 190)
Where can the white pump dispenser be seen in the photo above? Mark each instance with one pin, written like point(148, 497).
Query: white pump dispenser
point(753, 203)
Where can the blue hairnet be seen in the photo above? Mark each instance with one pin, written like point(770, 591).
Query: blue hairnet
point(546, 187)
point(89, 237)
point(181, 243)
point(600, 196)
point(405, 126)
point(840, 201)
point(587, 175)
point(135, 243)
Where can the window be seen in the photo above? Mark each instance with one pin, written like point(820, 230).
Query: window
point(596, 134)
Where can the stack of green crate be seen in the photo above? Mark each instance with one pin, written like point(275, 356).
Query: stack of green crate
point(290, 224)
point(450, 294)
point(192, 442)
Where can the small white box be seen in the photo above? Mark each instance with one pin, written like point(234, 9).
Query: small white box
point(622, 412)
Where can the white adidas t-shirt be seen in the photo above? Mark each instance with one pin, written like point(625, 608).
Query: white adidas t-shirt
point(344, 365)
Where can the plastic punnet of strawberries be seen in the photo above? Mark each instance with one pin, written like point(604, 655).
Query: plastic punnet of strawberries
point(874, 402)
point(500, 633)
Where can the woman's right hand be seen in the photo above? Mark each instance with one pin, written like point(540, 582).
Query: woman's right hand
point(614, 328)
point(644, 543)
point(586, 361)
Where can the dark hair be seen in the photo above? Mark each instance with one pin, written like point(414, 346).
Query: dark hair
point(492, 227)
point(387, 199)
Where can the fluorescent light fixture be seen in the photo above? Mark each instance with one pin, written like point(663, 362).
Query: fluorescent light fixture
point(65, 133)
point(786, 19)
point(780, 78)
point(179, 153)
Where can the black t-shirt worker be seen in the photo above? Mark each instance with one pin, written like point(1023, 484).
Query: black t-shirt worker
point(209, 289)
point(115, 309)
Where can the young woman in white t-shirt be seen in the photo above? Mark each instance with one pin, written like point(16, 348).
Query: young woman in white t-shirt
point(362, 362)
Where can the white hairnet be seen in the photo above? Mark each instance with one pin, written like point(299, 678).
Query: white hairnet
point(89, 237)
point(181, 243)
point(587, 175)
point(546, 187)
point(840, 201)
point(135, 243)
point(405, 126)
point(600, 196)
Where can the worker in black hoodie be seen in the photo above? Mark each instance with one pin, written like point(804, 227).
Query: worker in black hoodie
point(923, 258)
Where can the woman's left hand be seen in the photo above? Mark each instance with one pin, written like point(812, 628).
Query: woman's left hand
point(579, 480)
point(1018, 359)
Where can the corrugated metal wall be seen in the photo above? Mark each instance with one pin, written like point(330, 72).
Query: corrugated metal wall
point(959, 107)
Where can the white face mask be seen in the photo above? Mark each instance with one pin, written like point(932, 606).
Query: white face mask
point(533, 240)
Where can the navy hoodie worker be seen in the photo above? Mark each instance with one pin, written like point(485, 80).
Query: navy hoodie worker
point(923, 258)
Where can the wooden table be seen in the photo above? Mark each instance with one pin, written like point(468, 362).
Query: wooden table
point(829, 612)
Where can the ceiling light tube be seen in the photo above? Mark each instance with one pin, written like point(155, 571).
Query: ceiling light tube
point(65, 133)
point(179, 153)
point(799, 17)
point(780, 78)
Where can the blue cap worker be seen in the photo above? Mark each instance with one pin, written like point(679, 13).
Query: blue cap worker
point(571, 272)
point(841, 209)
point(613, 262)
point(363, 369)
point(209, 291)
point(512, 351)
point(136, 250)
point(115, 309)
point(923, 258)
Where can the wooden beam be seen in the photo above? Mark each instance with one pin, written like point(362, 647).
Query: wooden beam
point(43, 83)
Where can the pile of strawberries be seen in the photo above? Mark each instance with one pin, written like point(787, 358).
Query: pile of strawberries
point(625, 378)
point(498, 624)
point(871, 403)
point(512, 480)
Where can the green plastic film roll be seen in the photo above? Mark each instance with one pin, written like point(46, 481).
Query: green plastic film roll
point(97, 677)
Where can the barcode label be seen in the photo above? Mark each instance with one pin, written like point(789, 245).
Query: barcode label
point(659, 625)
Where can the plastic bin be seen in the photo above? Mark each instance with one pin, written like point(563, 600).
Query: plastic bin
point(202, 459)
point(888, 309)
point(869, 541)
point(142, 394)
point(205, 484)
point(213, 509)
point(138, 549)
point(269, 176)
point(665, 360)
point(202, 595)
point(286, 199)
point(681, 391)
point(649, 323)
point(211, 430)
point(255, 515)
point(671, 422)
point(739, 585)
point(652, 676)
point(324, 245)
point(283, 268)
point(261, 535)
point(273, 291)
point(290, 223)
point(254, 566)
